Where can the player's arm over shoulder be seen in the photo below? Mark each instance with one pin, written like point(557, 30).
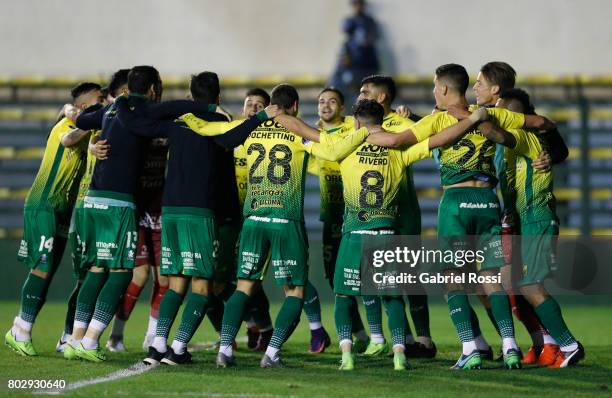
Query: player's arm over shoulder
point(509, 120)
point(335, 148)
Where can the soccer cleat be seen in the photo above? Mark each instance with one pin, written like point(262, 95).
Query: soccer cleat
point(531, 358)
point(348, 361)
point(512, 359)
point(91, 355)
point(148, 341)
point(264, 340)
point(252, 337)
point(24, 348)
point(548, 355)
point(471, 361)
point(223, 361)
point(420, 350)
point(267, 362)
point(61, 345)
point(174, 359)
point(154, 356)
point(376, 349)
point(359, 346)
point(399, 361)
point(569, 358)
point(319, 341)
point(70, 352)
point(115, 344)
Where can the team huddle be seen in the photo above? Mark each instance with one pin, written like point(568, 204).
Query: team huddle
point(178, 190)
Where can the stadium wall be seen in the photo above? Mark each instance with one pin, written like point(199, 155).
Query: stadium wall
point(242, 37)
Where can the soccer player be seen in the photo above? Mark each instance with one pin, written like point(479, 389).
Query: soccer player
point(371, 192)
point(148, 197)
point(494, 78)
point(331, 121)
point(109, 237)
point(97, 150)
point(189, 245)
point(273, 225)
point(383, 90)
point(468, 176)
point(539, 227)
point(257, 315)
point(47, 211)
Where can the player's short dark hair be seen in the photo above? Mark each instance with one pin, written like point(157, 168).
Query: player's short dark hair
point(369, 112)
point(118, 79)
point(205, 87)
point(455, 75)
point(284, 95)
point(386, 82)
point(521, 96)
point(500, 74)
point(142, 77)
point(259, 92)
point(83, 88)
point(334, 90)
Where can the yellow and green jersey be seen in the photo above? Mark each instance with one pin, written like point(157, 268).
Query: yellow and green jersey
point(241, 172)
point(372, 177)
point(472, 156)
point(532, 189)
point(57, 181)
point(330, 178)
point(86, 179)
point(409, 218)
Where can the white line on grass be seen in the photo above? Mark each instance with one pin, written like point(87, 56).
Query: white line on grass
point(133, 370)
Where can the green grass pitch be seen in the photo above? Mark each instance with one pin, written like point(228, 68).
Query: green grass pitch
point(316, 375)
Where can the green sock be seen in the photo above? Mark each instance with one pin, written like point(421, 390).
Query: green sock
point(373, 309)
point(474, 322)
point(552, 319)
point(500, 307)
point(232, 317)
point(33, 297)
point(492, 318)
point(396, 314)
point(72, 303)
point(312, 306)
point(343, 309)
point(259, 309)
point(286, 321)
point(168, 308)
point(193, 313)
point(355, 316)
point(461, 315)
point(109, 298)
point(86, 300)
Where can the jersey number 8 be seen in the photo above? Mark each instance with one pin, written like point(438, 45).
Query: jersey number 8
point(374, 189)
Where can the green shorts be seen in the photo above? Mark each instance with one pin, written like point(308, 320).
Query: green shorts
point(538, 241)
point(347, 276)
point(44, 238)
point(76, 243)
point(189, 242)
point(228, 234)
point(109, 233)
point(284, 240)
point(470, 218)
point(332, 236)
